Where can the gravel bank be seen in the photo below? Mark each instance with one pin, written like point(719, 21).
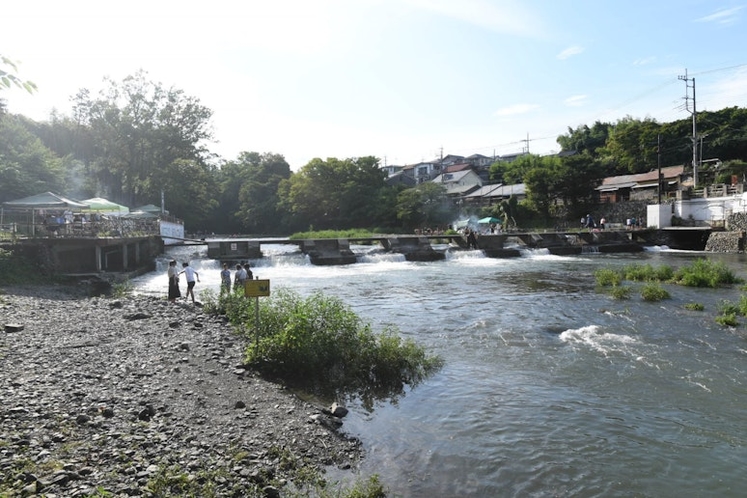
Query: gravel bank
point(141, 397)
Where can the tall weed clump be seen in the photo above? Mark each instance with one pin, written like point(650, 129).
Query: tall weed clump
point(319, 344)
point(705, 273)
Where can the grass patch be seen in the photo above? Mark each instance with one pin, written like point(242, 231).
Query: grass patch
point(694, 307)
point(620, 292)
point(608, 277)
point(320, 345)
point(705, 273)
point(333, 234)
point(648, 273)
point(653, 292)
point(727, 320)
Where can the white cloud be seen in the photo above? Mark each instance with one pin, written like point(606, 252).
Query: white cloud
point(516, 109)
point(723, 16)
point(726, 92)
point(576, 100)
point(644, 61)
point(570, 52)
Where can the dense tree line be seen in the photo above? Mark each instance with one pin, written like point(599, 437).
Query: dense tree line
point(136, 141)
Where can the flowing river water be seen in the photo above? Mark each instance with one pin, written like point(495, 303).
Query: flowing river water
point(550, 387)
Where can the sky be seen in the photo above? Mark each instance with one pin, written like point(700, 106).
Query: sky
point(403, 80)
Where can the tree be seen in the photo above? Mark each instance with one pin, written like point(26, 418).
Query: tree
point(259, 205)
point(585, 139)
point(27, 167)
point(514, 171)
point(575, 182)
point(9, 76)
point(334, 194)
point(424, 206)
point(140, 131)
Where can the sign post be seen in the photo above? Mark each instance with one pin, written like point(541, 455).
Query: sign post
point(255, 289)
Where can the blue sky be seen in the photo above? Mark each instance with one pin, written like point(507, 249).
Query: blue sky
point(403, 80)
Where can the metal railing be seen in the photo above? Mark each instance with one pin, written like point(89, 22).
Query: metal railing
point(109, 228)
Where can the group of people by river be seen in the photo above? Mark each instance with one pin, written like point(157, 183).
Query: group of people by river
point(242, 274)
point(192, 278)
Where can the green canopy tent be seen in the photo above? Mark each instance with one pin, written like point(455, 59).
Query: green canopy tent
point(488, 220)
point(105, 206)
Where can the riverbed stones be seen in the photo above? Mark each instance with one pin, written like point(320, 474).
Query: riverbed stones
point(98, 402)
point(726, 242)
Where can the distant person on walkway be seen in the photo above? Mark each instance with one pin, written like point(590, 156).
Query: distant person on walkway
point(602, 222)
point(191, 274)
point(225, 280)
point(173, 274)
point(590, 222)
point(471, 239)
point(239, 278)
point(248, 270)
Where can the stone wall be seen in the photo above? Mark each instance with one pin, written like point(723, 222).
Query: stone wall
point(732, 241)
point(736, 221)
point(618, 212)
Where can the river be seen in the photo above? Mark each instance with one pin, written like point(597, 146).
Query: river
point(550, 387)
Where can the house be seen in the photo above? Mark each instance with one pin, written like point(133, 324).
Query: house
point(459, 183)
point(479, 161)
point(483, 196)
point(422, 172)
point(400, 178)
point(641, 186)
point(451, 159)
point(392, 169)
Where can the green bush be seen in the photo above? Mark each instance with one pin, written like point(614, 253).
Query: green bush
point(620, 292)
point(728, 320)
point(608, 277)
point(654, 292)
point(705, 273)
point(648, 273)
point(352, 233)
point(637, 272)
point(319, 344)
point(726, 307)
point(16, 269)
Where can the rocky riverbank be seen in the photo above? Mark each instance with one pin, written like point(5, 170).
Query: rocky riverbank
point(140, 397)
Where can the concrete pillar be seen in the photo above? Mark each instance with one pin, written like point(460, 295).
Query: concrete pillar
point(124, 257)
point(98, 258)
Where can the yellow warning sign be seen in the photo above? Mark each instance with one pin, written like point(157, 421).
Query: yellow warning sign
point(256, 288)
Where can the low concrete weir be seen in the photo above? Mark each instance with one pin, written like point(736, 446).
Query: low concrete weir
point(327, 252)
point(419, 248)
point(414, 248)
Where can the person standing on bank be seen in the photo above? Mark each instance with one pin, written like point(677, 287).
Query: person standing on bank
point(190, 274)
point(225, 280)
point(173, 273)
point(239, 277)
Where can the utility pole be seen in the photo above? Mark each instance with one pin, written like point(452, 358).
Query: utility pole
point(658, 164)
point(695, 125)
point(527, 142)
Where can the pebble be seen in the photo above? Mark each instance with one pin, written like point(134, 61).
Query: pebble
point(103, 394)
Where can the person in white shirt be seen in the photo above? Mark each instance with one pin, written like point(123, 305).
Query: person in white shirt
point(190, 273)
point(239, 277)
